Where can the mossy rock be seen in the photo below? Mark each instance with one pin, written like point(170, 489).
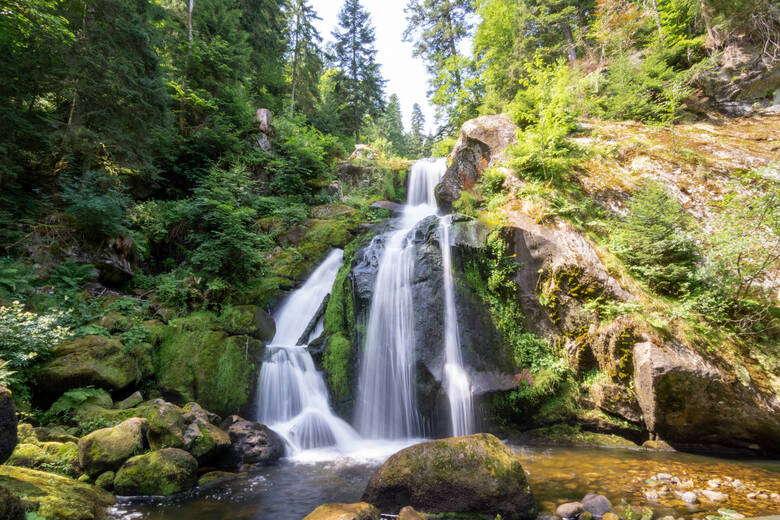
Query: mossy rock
point(54, 497)
point(249, 320)
point(56, 457)
point(359, 511)
point(114, 322)
point(54, 434)
point(215, 478)
point(89, 361)
point(476, 474)
point(197, 363)
point(106, 449)
point(159, 473)
point(190, 430)
point(106, 480)
point(166, 427)
point(11, 507)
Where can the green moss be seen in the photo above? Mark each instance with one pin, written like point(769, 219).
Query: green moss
point(56, 497)
point(61, 458)
point(337, 361)
point(164, 473)
point(197, 361)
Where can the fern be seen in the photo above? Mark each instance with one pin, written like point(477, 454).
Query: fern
point(72, 399)
point(15, 278)
point(73, 276)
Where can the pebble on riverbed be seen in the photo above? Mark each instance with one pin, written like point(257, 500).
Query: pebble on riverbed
point(688, 497)
point(714, 496)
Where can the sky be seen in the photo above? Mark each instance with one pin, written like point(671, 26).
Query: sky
point(405, 74)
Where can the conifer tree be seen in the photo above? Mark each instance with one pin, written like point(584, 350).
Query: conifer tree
point(392, 126)
point(437, 28)
point(306, 63)
point(417, 137)
point(355, 56)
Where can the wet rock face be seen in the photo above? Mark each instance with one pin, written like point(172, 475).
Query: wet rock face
point(687, 399)
point(482, 143)
point(476, 474)
point(8, 424)
point(251, 443)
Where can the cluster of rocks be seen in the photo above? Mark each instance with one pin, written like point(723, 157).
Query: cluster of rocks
point(162, 451)
point(591, 506)
point(472, 475)
point(689, 491)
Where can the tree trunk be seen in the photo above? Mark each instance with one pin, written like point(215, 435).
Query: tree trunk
point(191, 6)
point(570, 43)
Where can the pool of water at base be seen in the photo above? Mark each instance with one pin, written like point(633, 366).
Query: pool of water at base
point(294, 488)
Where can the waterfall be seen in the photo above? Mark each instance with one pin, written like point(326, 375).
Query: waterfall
point(386, 406)
point(456, 380)
point(293, 398)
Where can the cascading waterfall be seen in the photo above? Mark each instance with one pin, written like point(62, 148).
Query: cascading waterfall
point(456, 380)
point(386, 406)
point(293, 398)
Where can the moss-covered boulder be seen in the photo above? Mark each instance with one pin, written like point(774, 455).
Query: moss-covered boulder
point(54, 497)
point(11, 507)
point(199, 361)
point(189, 429)
point(54, 434)
point(89, 361)
point(476, 474)
point(56, 457)
point(160, 473)
point(249, 320)
point(106, 449)
point(359, 511)
point(251, 443)
point(216, 478)
point(106, 480)
point(8, 422)
point(131, 401)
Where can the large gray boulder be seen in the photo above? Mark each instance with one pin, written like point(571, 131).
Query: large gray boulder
point(482, 143)
point(476, 474)
point(689, 400)
point(8, 424)
point(250, 443)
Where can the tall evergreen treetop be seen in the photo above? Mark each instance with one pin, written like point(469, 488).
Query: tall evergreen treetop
point(305, 53)
point(356, 58)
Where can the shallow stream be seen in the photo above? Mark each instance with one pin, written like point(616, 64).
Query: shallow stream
point(294, 488)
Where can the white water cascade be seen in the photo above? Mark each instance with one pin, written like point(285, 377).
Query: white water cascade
point(293, 398)
point(456, 380)
point(386, 406)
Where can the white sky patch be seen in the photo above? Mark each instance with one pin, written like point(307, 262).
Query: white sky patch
point(406, 75)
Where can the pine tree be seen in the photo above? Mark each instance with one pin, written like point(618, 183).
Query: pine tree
point(437, 27)
point(306, 63)
point(417, 137)
point(355, 56)
point(392, 126)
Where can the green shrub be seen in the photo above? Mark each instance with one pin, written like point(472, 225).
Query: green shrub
point(655, 243)
point(72, 276)
point(97, 203)
point(15, 278)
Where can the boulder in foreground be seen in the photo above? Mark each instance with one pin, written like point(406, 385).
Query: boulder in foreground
point(160, 473)
point(359, 511)
point(7, 424)
point(476, 474)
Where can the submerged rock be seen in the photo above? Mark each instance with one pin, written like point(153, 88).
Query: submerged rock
point(160, 473)
point(251, 443)
point(8, 423)
point(476, 474)
point(106, 449)
point(336, 511)
point(597, 505)
point(56, 497)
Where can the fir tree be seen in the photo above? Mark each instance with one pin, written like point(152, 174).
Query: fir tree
point(392, 126)
point(306, 63)
point(417, 137)
point(355, 56)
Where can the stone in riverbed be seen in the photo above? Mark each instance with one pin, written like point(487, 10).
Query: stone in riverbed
point(597, 505)
point(106, 449)
point(714, 496)
point(408, 513)
point(610, 516)
point(359, 511)
point(251, 443)
point(688, 497)
point(569, 510)
point(476, 474)
point(160, 473)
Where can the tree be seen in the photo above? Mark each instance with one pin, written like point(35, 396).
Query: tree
point(304, 52)
point(355, 56)
point(391, 126)
point(655, 242)
point(437, 28)
point(417, 137)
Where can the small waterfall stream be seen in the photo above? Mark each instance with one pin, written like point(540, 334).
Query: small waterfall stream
point(456, 380)
point(293, 398)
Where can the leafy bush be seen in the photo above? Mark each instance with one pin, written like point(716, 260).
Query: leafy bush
point(654, 241)
point(97, 203)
